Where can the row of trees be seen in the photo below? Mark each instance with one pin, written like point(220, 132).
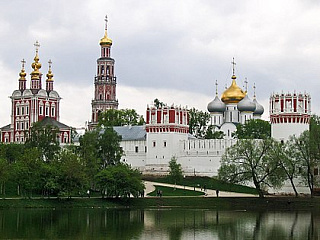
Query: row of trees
point(41, 166)
point(269, 163)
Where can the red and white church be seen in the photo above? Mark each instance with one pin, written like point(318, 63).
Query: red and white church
point(34, 104)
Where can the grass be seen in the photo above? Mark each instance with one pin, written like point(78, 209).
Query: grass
point(227, 203)
point(205, 182)
point(174, 192)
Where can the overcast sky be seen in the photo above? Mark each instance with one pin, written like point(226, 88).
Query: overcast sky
point(165, 49)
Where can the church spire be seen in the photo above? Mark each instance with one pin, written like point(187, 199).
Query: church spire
point(105, 41)
point(22, 79)
point(49, 81)
point(35, 74)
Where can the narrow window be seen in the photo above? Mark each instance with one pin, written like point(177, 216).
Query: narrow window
point(165, 144)
point(136, 149)
point(154, 143)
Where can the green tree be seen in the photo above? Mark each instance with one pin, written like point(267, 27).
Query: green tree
point(26, 171)
point(89, 152)
point(286, 154)
point(211, 133)
point(253, 129)
point(45, 139)
point(250, 161)
point(72, 177)
point(198, 122)
point(157, 103)
point(303, 153)
point(121, 117)
point(109, 150)
point(119, 181)
point(4, 175)
point(175, 170)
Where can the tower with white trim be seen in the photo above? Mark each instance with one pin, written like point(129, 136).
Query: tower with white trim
point(289, 114)
point(104, 82)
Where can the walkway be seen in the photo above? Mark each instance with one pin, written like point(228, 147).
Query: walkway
point(150, 187)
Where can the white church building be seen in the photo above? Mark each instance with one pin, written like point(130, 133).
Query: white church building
point(166, 133)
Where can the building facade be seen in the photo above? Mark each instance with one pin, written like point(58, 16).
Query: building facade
point(166, 134)
point(105, 81)
point(34, 104)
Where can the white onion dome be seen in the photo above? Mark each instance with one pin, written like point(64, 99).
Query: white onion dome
point(246, 105)
point(259, 108)
point(216, 105)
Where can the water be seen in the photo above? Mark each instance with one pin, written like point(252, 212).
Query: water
point(154, 224)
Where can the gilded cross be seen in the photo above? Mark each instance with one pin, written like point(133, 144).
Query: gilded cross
point(246, 84)
point(23, 62)
point(233, 63)
point(50, 62)
point(37, 45)
point(216, 87)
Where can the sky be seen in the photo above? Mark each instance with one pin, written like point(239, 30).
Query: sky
point(165, 49)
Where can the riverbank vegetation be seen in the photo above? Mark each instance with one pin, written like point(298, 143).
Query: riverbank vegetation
point(221, 203)
point(268, 163)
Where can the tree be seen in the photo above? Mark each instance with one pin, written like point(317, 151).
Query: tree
point(303, 153)
point(175, 170)
point(250, 161)
point(119, 181)
point(211, 133)
point(109, 150)
point(88, 150)
point(253, 129)
point(285, 153)
point(157, 103)
point(4, 174)
point(45, 139)
point(26, 171)
point(122, 117)
point(198, 122)
point(72, 177)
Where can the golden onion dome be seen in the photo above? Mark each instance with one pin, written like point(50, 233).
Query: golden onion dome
point(49, 75)
point(35, 74)
point(105, 40)
point(22, 74)
point(234, 93)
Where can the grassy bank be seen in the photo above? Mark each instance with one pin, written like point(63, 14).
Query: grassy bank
point(205, 182)
point(269, 203)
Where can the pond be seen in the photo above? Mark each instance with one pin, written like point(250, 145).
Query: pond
point(175, 224)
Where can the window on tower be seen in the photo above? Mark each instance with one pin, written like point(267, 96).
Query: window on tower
point(27, 110)
point(18, 111)
point(22, 110)
point(41, 110)
point(53, 111)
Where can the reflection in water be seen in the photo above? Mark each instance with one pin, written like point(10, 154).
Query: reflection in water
point(174, 224)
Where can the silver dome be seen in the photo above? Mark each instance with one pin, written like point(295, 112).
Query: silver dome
point(246, 105)
point(259, 108)
point(216, 105)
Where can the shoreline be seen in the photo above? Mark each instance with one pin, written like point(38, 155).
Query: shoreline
point(214, 203)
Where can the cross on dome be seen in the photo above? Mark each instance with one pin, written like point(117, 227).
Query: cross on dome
point(23, 62)
point(254, 90)
point(37, 45)
point(50, 62)
point(233, 65)
point(246, 84)
point(106, 19)
point(216, 87)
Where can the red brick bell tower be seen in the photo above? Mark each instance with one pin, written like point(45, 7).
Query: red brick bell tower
point(104, 82)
